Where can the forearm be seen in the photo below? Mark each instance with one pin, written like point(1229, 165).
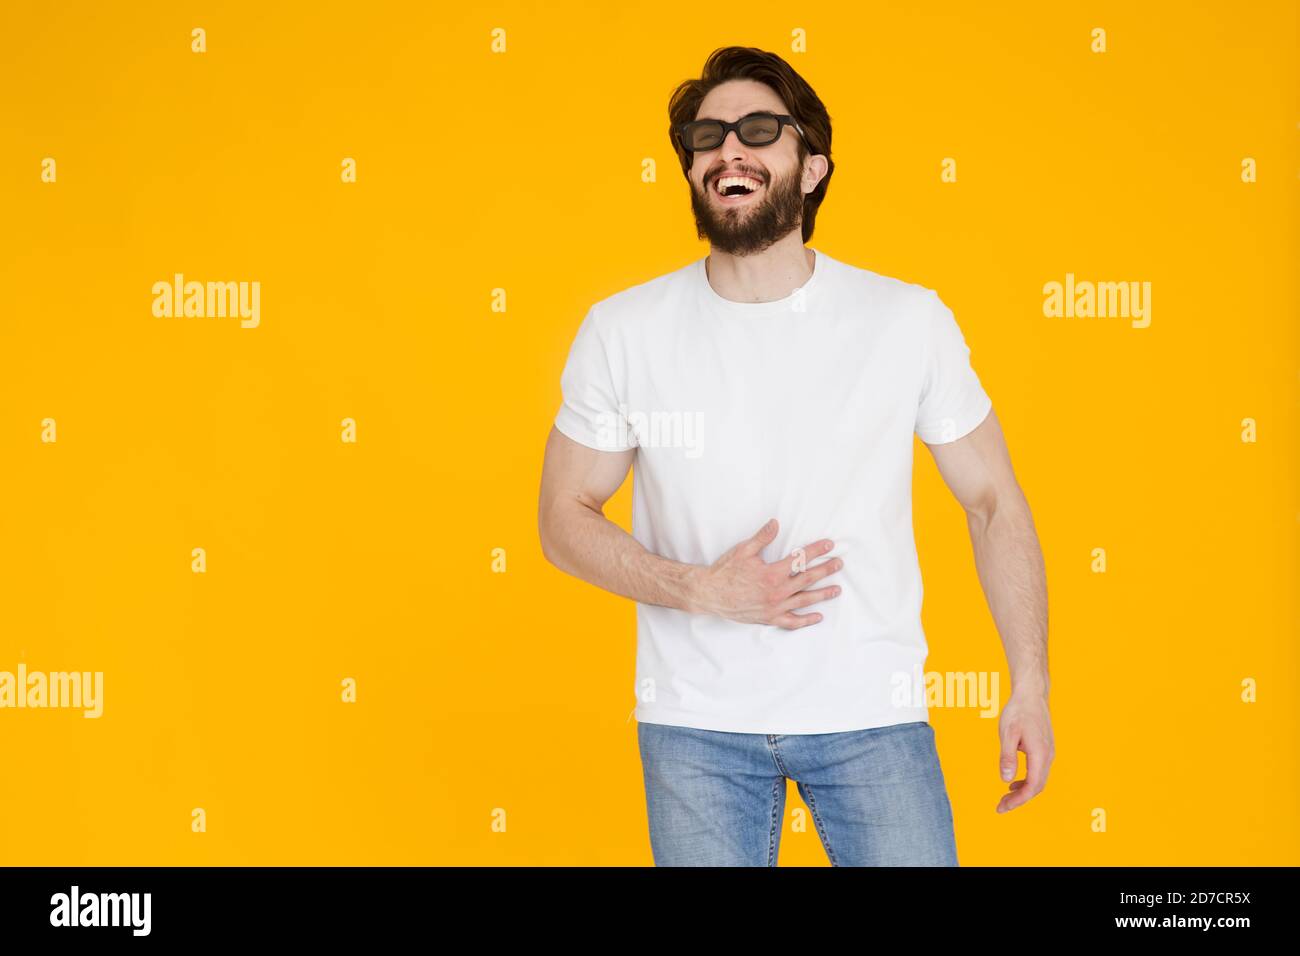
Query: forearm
point(583, 542)
point(1009, 562)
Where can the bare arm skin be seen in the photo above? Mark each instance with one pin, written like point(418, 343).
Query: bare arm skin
point(977, 469)
point(578, 539)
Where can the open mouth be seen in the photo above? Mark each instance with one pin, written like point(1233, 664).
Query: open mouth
point(736, 188)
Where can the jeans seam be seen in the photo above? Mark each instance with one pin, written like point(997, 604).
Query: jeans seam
point(775, 754)
point(776, 793)
point(771, 836)
point(821, 827)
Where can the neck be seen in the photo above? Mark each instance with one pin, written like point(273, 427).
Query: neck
point(764, 276)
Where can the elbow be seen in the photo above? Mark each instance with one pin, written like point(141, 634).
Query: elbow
point(979, 514)
point(546, 535)
point(998, 504)
point(561, 521)
point(548, 552)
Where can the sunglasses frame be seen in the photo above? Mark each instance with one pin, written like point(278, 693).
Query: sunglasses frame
point(783, 120)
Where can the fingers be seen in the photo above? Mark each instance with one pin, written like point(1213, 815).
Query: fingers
point(798, 559)
point(790, 577)
point(763, 537)
point(792, 622)
point(1038, 758)
point(1035, 769)
point(814, 574)
point(804, 598)
point(796, 579)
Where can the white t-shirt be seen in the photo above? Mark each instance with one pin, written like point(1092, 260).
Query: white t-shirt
point(802, 409)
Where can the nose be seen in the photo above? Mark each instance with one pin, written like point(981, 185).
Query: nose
point(731, 146)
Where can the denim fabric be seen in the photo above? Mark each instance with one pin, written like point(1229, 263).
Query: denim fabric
point(876, 796)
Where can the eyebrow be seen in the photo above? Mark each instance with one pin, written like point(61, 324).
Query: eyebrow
point(740, 117)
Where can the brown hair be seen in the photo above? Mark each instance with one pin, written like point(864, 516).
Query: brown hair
point(749, 63)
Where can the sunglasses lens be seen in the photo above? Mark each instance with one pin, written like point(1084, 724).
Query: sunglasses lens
point(759, 130)
point(703, 135)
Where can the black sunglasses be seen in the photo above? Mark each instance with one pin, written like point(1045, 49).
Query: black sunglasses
point(756, 129)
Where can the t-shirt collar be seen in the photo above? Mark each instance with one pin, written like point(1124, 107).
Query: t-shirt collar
point(787, 305)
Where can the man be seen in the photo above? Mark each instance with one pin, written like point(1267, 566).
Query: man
point(769, 395)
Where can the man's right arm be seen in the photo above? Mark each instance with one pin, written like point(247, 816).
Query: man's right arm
point(578, 539)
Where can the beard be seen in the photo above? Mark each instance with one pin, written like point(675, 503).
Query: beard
point(751, 228)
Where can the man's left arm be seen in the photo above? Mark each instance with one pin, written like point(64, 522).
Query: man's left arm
point(977, 469)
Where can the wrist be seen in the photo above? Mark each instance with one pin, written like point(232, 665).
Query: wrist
point(1036, 688)
point(695, 589)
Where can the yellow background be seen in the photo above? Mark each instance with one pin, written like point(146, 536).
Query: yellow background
point(522, 171)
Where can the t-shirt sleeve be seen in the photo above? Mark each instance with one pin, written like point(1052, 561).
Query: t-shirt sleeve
point(952, 399)
point(590, 412)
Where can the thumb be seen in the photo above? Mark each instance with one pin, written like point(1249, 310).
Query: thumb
point(764, 536)
point(1009, 760)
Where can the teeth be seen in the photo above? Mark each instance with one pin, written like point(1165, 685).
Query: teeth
point(747, 182)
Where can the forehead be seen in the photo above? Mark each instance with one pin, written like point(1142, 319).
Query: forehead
point(731, 100)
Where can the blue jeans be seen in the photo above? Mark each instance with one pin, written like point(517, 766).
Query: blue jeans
point(716, 798)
